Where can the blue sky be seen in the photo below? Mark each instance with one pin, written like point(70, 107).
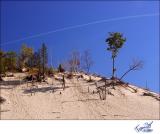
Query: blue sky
point(25, 19)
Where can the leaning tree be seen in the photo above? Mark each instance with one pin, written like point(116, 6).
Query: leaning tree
point(136, 65)
point(115, 41)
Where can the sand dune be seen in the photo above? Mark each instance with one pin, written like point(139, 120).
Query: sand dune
point(77, 101)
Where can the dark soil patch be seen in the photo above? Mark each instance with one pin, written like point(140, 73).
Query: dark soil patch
point(2, 100)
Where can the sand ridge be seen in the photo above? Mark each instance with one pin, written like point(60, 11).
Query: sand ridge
point(76, 101)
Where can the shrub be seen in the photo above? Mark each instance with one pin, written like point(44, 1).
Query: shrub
point(60, 68)
point(70, 76)
point(51, 71)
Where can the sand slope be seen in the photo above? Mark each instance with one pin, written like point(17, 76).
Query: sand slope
point(75, 102)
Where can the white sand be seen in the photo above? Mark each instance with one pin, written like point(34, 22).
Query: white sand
point(75, 102)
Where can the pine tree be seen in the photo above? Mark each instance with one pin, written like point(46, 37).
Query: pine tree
point(115, 41)
point(60, 68)
point(44, 58)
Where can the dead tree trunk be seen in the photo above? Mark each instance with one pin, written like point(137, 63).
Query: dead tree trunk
point(63, 83)
point(113, 69)
point(105, 90)
point(1, 78)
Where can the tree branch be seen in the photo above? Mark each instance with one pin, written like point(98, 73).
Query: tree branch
point(136, 65)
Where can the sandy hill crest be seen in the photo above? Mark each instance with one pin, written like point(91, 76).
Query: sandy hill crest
point(80, 99)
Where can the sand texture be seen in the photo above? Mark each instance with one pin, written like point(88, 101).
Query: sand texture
point(79, 100)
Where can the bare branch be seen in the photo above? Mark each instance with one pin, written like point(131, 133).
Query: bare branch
point(87, 61)
point(136, 65)
point(74, 61)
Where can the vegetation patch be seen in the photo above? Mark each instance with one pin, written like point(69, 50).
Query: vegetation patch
point(2, 100)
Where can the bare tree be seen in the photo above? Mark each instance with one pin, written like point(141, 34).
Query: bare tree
point(136, 65)
point(74, 61)
point(87, 61)
point(65, 64)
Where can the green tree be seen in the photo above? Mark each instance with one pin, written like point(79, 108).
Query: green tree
point(31, 62)
point(37, 57)
point(2, 68)
point(10, 61)
point(25, 55)
point(60, 68)
point(115, 41)
point(44, 58)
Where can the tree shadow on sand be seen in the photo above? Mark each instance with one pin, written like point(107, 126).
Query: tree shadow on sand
point(42, 90)
point(80, 100)
point(6, 88)
point(11, 82)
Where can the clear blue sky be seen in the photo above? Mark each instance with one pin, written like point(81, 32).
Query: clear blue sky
point(24, 19)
